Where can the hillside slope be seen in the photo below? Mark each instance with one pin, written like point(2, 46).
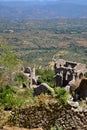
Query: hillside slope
point(41, 10)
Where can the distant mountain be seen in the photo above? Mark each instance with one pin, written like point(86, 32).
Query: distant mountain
point(42, 10)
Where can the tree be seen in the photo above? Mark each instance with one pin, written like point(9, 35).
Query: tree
point(8, 62)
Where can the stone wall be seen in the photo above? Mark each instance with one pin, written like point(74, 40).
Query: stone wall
point(66, 71)
point(47, 116)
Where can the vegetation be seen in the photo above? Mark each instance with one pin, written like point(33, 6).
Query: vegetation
point(7, 100)
point(54, 128)
point(46, 76)
point(10, 76)
point(13, 97)
point(39, 42)
point(7, 57)
point(8, 62)
point(61, 95)
point(21, 79)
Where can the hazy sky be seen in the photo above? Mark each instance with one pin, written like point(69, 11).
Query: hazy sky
point(29, 0)
point(47, 0)
point(72, 1)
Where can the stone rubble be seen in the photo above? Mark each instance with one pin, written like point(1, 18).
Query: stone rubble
point(67, 117)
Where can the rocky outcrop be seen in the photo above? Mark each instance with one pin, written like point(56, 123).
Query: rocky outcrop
point(47, 116)
point(81, 91)
point(42, 88)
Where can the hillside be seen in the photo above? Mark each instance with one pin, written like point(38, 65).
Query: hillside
point(41, 41)
point(42, 10)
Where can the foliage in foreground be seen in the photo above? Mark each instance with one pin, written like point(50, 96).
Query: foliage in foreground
point(20, 78)
point(56, 128)
point(61, 95)
point(12, 97)
point(8, 63)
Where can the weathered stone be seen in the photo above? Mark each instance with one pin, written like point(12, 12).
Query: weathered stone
point(42, 88)
point(71, 76)
point(39, 117)
point(82, 89)
point(73, 104)
point(65, 71)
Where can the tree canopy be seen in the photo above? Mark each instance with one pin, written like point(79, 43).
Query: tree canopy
point(8, 61)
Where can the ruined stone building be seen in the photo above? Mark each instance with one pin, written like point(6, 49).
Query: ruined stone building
point(71, 76)
point(68, 73)
point(30, 73)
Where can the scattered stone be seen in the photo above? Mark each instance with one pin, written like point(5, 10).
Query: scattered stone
point(73, 104)
point(40, 116)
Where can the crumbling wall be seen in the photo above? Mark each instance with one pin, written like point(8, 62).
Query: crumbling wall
point(66, 71)
point(46, 116)
point(81, 91)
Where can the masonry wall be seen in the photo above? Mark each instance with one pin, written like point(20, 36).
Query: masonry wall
point(46, 116)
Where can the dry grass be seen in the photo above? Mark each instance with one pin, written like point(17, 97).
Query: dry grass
point(82, 43)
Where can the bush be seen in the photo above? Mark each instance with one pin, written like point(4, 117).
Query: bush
point(61, 95)
point(46, 76)
point(20, 78)
point(7, 97)
point(55, 128)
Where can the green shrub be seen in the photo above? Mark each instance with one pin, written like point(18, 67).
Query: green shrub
point(8, 97)
point(55, 128)
point(60, 91)
point(20, 78)
point(46, 76)
point(61, 95)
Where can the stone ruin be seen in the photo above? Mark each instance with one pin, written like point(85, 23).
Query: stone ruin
point(30, 73)
point(67, 74)
point(49, 114)
point(81, 91)
point(32, 77)
point(71, 75)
